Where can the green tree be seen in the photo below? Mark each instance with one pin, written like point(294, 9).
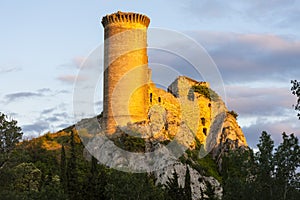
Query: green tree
point(51, 189)
point(10, 134)
point(296, 91)
point(27, 178)
point(210, 191)
point(187, 184)
point(140, 186)
point(63, 169)
point(173, 189)
point(287, 161)
point(236, 171)
point(96, 181)
point(265, 167)
point(72, 170)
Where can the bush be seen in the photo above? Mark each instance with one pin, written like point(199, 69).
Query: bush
point(233, 113)
point(205, 91)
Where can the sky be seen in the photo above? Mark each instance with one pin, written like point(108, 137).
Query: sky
point(255, 45)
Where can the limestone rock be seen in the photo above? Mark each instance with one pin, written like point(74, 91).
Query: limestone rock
point(199, 183)
point(230, 138)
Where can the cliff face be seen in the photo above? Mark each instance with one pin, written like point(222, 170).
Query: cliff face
point(187, 114)
point(230, 138)
point(199, 183)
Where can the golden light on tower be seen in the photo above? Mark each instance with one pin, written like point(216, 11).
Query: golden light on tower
point(126, 69)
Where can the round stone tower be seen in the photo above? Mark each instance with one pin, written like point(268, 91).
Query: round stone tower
point(126, 71)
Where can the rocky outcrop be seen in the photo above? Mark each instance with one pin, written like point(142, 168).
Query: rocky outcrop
point(230, 138)
point(176, 119)
point(199, 184)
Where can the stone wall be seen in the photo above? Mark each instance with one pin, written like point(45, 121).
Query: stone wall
point(126, 69)
point(195, 108)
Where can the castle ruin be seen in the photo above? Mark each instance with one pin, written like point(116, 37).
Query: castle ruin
point(130, 96)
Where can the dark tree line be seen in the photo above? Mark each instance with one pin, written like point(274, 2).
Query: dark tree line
point(268, 174)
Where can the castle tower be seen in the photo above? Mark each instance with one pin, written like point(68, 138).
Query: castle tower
point(126, 69)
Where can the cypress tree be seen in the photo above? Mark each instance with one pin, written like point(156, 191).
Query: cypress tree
point(174, 191)
point(93, 180)
point(63, 170)
point(72, 170)
point(187, 184)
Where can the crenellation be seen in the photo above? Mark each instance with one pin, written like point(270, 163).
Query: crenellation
point(125, 17)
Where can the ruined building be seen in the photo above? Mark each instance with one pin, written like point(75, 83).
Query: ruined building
point(131, 97)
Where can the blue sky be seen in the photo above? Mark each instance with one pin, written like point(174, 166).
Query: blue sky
point(255, 44)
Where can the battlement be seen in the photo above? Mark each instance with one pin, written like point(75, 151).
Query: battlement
point(125, 17)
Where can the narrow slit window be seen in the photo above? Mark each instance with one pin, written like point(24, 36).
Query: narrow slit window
point(159, 99)
point(151, 97)
point(203, 121)
point(205, 131)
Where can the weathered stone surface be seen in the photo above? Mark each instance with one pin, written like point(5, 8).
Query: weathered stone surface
point(231, 137)
point(198, 182)
point(126, 71)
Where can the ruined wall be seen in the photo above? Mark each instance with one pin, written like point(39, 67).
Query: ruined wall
point(195, 108)
point(159, 98)
point(126, 70)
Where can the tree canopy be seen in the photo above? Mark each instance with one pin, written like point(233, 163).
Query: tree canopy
point(10, 134)
point(296, 91)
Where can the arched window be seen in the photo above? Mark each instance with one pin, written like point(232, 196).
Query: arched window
point(159, 99)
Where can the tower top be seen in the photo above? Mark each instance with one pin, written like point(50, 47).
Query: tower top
point(125, 17)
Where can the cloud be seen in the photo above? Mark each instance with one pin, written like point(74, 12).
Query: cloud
point(63, 126)
point(63, 91)
point(276, 128)
point(263, 109)
point(62, 115)
point(79, 60)
point(259, 101)
point(37, 127)
point(71, 78)
point(76, 62)
point(4, 70)
point(44, 90)
point(52, 119)
point(18, 95)
point(47, 111)
point(263, 15)
point(212, 9)
point(252, 57)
